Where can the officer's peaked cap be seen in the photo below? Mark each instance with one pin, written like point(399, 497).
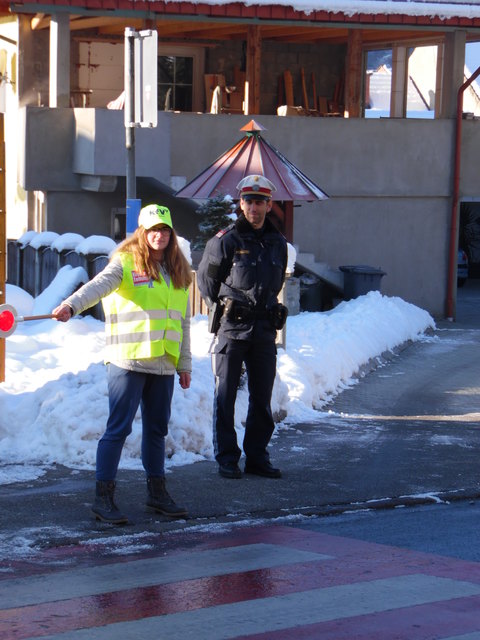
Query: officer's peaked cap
point(256, 186)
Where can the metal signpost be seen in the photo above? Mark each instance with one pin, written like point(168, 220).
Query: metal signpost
point(141, 53)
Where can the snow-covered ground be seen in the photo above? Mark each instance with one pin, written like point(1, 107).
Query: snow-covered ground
point(54, 398)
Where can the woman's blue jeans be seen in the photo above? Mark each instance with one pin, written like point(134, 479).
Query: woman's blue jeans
point(127, 390)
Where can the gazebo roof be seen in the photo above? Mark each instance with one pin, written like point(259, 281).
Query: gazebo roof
point(252, 155)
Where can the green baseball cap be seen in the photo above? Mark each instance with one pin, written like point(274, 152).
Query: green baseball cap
point(154, 214)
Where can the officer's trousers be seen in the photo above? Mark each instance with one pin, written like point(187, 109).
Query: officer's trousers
point(260, 360)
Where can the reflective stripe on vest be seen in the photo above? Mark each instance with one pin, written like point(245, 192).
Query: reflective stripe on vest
point(143, 319)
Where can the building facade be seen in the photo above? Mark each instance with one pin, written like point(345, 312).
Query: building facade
point(396, 183)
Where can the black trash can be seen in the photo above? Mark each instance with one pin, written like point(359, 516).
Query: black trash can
point(311, 292)
point(360, 279)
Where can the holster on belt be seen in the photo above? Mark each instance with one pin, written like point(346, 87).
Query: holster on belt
point(278, 315)
point(215, 313)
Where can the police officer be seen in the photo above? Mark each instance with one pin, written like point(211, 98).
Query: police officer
point(240, 276)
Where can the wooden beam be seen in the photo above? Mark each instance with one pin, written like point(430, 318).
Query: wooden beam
point(327, 36)
point(314, 90)
point(237, 29)
point(353, 75)
point(102, 21)
point(288, 82)
point(3, 239)
point(274, 32)
point(304, 89)
point(387, 39)
point(399, 90)
point(288, 230)
point(205, 31)
point(39, 21)
point(252, 82)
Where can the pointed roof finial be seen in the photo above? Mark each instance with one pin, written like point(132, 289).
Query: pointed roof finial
point(253, 126)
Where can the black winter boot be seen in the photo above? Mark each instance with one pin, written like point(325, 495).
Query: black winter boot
point(104, 506)
point(159, 499)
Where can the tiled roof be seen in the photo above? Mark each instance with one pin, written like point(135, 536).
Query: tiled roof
point(411, 12)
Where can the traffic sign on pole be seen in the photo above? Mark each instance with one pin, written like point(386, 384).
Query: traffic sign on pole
point(146, 65)
point(143, 84)
point(141, 59)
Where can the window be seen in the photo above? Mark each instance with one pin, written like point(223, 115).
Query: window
point(180, 78)
point(421, 88)
point(175, 83)
point(378, 85)
point(401, 82)
point(118, 229)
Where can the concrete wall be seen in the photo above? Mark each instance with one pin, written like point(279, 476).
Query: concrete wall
point(100, 146)
point(60, 145)
point(82, 212)
point(33, 63)
point(389, 182)
point(70, 153)
point(46, 149)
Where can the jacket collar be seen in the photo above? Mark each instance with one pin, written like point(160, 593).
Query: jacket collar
point(243, 226)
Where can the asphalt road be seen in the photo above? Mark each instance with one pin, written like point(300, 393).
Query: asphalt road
point(447, 529)
point(407, 434)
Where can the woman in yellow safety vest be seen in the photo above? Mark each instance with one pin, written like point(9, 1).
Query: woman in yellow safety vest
point(144, 292)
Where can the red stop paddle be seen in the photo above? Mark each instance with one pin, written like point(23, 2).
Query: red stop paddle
point(9, 319)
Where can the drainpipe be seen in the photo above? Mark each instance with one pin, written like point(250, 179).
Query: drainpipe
point(452, 257)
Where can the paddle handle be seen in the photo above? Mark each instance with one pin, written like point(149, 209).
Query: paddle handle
point(25, 318)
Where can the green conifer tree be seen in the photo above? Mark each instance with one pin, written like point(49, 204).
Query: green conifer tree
point(215, 214)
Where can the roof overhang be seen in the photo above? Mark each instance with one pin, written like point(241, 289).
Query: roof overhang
point(381, 21)
point(366, 12)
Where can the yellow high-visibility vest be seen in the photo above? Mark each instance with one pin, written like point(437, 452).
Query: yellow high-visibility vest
point(143, 318)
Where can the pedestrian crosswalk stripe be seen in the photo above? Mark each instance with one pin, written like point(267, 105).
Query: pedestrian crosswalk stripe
point(121, 576)
point(282, 612)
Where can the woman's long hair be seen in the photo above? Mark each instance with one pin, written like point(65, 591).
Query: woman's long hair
point(173, 259)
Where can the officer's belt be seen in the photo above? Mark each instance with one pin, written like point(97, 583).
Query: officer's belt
point(243, 312)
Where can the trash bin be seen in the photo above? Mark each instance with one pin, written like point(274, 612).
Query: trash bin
point(360, 279)
point(311, 288)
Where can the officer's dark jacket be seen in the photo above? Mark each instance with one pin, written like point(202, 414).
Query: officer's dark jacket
point(245, 265)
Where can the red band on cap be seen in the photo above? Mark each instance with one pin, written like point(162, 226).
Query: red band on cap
point(260, 190)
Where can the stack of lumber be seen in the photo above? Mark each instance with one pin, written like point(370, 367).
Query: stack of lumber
point(317, 106)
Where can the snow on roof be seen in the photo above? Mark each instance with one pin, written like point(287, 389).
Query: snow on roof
point(441, 9)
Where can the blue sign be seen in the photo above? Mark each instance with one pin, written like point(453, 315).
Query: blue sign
point(133, 209)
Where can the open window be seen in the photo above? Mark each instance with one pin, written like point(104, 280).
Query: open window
point(400, 82)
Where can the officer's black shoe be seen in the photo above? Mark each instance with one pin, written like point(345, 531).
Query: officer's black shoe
point(229, 470)
point(263, 468)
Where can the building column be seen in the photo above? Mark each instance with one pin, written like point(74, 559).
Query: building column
point(453, 72)
point(354, 74)
point(252, 80)
point(59, 95)
point(398, 96)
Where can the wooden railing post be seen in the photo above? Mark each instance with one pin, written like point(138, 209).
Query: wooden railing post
point(3, 239)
